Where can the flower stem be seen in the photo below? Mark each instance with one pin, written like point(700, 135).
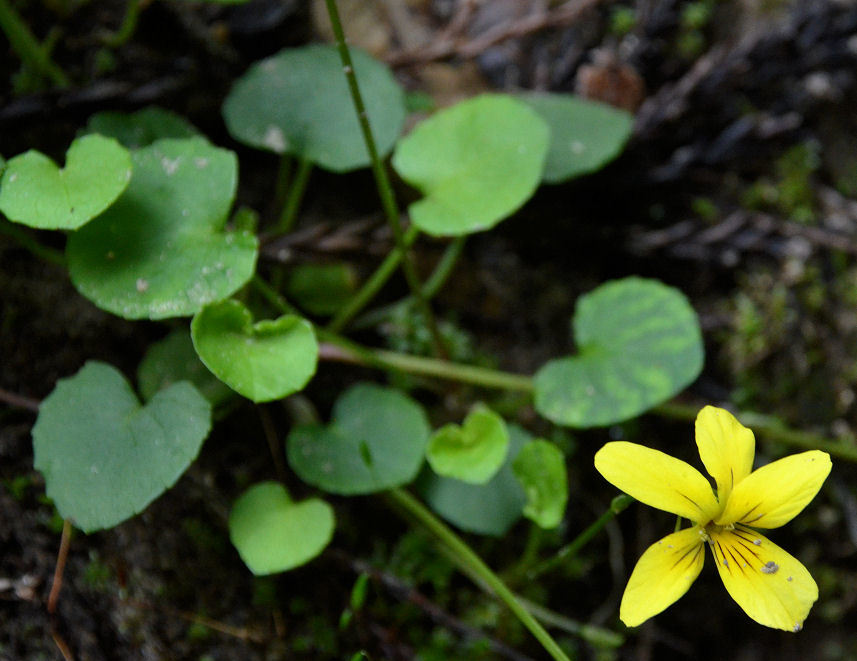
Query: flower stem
point(385, 190)
point(25, 238)
point(25, 44)
point(294, 197)
point(617, 505)
point(465, 557)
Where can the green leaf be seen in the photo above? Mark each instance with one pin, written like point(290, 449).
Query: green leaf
point(540, 468)
point(141, 128)
point(472, 452)
point(376, 441)
point(267, 360)
point(639, 344)
point(161, 250)
point(103, 455)
point(585, 135)
point(487, 509)
point(174, 359)
point(273, 533)
point(35, 192)
point(321, 289)
point(297, 102)
point(476, 163)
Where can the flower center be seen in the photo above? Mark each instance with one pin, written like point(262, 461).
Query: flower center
point(711, 529)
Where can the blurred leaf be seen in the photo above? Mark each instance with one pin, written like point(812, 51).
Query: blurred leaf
point(585, 135)
point(161, 250)
point(35, 192)
point(140, 129)
point(174, 359)
point(263, 361)
point(104, 456)
point(540, 468)
point(488, 509)
point(472, 452)
point(321, 289)
point(476, 163)
point(375, 441)
point(297, 102)
point(273, 533)
point(639, 344)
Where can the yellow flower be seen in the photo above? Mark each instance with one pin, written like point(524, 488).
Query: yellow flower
point(771, 586)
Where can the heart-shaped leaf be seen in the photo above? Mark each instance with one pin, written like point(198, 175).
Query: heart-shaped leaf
point(540, 468)
point(104, 456)
point(639, 344)
point(585, 135)
point(487, 509)
point(375, 442)
point(476, 163)
point(472, 452)
point(161, 251)
point(273, 533)
point(174, 359)
point(297, 102)
point(35, 192)
point(262, 361)
point(141, 128)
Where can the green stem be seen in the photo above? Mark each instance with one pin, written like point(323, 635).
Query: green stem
point(336, 350)
point(29, 243)
point(773, 429)
point(371, 287)
point(617, 505)
point(431, 287)
point(466, 557)
point(25, 44)
point(128, 26)
point(272, 296)
point(385, 190)
point(294, 197)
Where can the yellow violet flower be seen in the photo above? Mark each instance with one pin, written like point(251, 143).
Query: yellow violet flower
point(770, 585)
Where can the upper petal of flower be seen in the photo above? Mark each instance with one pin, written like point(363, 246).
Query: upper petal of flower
point(775, 493)
point(770, 585)
point(726, 447)
point(662, 575)
point(658, 479)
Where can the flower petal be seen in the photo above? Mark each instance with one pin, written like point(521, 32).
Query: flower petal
point(662, 575)
point(770, 585)
point(658, 479)
point(726, 447)
point(775, 493)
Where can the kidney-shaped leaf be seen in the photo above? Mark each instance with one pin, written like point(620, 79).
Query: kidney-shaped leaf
point(263, 361)
point(161, 250)
point(376, 441)
point(585, 135)
point(540, 468)
point(35, 192)
point(639, 344)
point(141, 128)
point(472, 452)
point(488, 509)
point(297, 102)
point(174, 359)
point(476, 163)
point(104, 456)
point(273, 533)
